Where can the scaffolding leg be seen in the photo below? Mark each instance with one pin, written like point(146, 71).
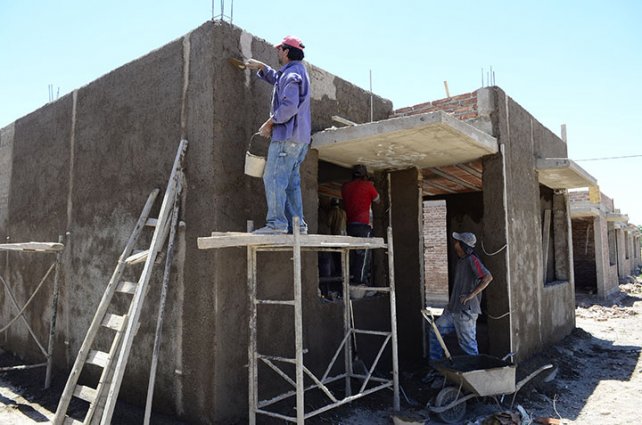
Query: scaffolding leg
point(251, 350)
point(393, 321)
point(54, 315)
point(347, 328)
point(298, 323)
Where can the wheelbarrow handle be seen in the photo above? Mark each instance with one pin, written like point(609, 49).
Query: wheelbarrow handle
point(521, 383)
point(431, 319)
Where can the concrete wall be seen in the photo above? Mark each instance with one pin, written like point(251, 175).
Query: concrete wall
point(86, 163)
point(540, 315)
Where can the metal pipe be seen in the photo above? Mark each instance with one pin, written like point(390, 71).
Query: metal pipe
point(54, 315)
point(298, 321)
point(393, 320)
point(334, 358)
point(278, 370)
point(288, 394)
point(347, 348)
point(253, 396)
point(374, 364)
point(22, 367)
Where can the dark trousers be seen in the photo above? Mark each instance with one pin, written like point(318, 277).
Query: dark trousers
point(359, 259)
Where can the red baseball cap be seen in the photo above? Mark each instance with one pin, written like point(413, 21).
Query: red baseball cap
point(291, 41)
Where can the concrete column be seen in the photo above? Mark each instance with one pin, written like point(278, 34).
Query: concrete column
point(407, 225)
point(621, 253)
point(6, 161)
point(601, 256)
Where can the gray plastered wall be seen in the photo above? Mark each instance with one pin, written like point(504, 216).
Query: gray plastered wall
point(540, 314)
point(86, 164)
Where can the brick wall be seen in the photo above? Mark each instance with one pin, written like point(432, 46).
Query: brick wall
point(463, 107)
point(578, 196)
point(435, 252)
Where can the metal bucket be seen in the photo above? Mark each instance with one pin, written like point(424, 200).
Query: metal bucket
point(254, 164)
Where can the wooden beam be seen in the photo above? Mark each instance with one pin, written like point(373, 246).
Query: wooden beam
point(470, 170)
point(439, 186)
point(32, 246)
point(546, 233)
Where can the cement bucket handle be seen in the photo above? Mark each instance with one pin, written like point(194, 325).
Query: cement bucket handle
point(249, 145)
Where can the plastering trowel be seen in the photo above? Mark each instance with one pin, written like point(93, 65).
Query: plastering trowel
point(236, 62)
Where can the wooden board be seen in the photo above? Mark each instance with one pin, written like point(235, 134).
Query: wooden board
point(32, 246)
point(238, 239)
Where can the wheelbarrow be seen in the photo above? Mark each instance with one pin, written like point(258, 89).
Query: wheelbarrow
point(473, 376)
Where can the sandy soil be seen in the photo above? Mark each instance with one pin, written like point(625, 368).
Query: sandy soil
point(597, 380)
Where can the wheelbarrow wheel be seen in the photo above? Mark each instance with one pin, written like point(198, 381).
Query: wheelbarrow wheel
point(456, 413)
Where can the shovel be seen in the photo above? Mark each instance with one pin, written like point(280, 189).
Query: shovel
point(427, 313)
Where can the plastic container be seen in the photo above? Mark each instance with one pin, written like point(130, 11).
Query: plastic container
point(254, 164)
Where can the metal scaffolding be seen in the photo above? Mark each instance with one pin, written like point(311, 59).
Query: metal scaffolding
point(46, 248)
point(367, 383)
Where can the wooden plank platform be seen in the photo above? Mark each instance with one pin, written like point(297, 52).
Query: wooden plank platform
point(32, 246)
point(240, 239)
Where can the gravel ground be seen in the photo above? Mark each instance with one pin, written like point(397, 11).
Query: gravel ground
point(597, 380)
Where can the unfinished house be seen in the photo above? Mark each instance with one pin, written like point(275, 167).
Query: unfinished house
point(84, 165)
point(606, 248)
point(474, 162)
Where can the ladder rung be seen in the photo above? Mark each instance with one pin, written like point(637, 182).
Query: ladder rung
point(127, 287)
point(85, 393)
point(98, 358)
point(151, 222)
point(71, 421)
point(113, 321)
point(285, 302)
point(137, 257)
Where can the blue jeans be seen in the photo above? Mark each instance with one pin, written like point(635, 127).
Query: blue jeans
point(283, 184)
point(465, 324)
point(359, 258)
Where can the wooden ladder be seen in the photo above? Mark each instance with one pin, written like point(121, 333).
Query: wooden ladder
point(102, 399)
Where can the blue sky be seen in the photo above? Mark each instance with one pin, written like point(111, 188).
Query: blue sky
point(573, 62)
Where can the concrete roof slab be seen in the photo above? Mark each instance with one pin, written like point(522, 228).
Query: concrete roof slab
point(563, 173)
point(432, 139)
point(584, 211)
point(617, 217)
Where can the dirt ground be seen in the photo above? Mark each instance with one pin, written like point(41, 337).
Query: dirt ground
point(597, 379)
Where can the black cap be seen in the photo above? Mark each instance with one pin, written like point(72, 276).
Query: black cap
point(359, 170)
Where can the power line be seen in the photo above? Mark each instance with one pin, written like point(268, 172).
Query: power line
point(609, 157)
